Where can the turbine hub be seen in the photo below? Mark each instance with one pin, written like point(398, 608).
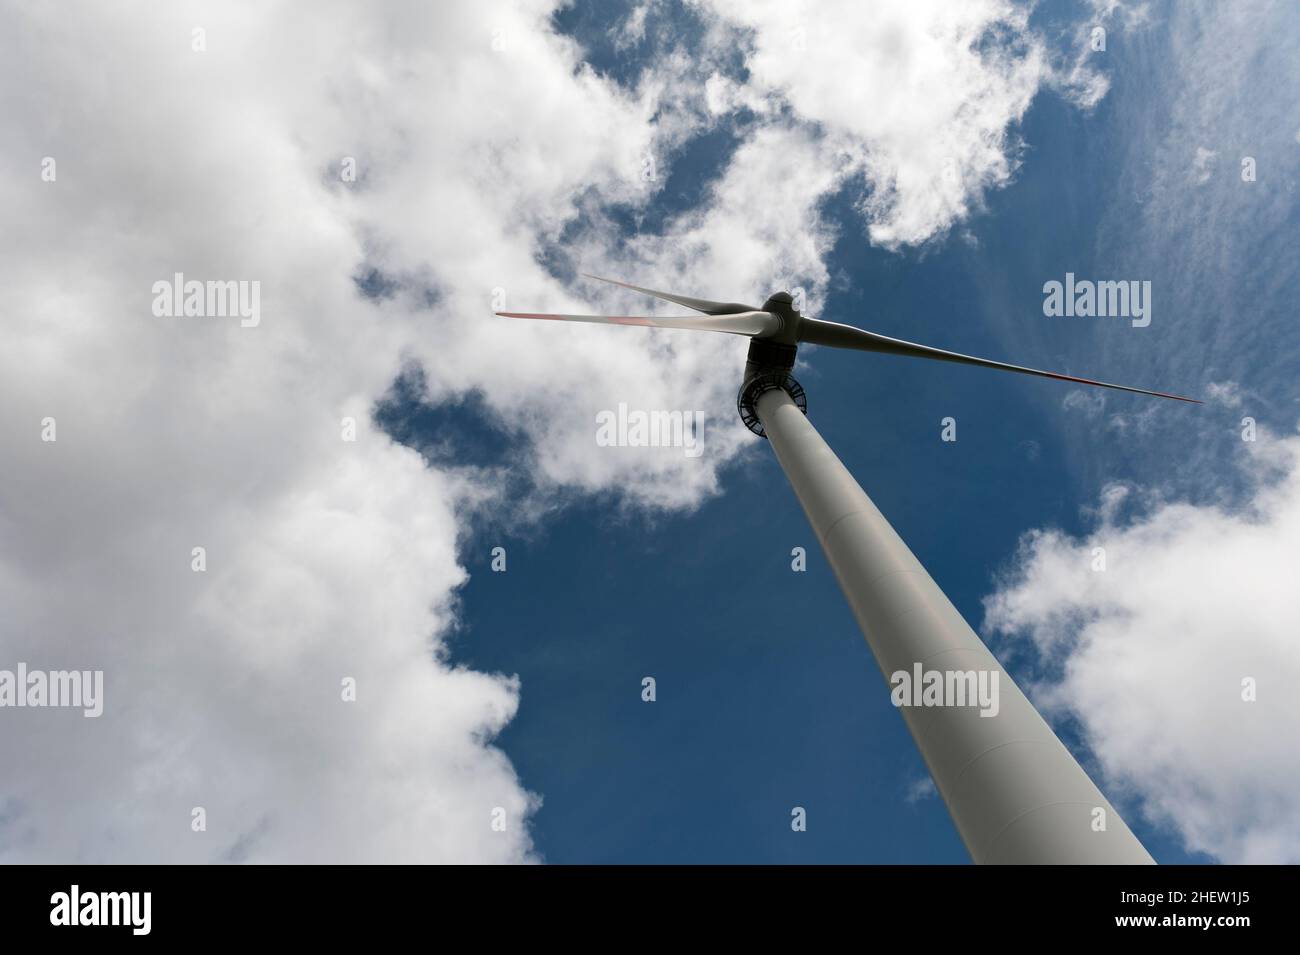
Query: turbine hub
point(781, 304)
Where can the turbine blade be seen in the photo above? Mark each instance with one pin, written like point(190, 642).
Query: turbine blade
point(817, 332)
point(699, 304)
point(740, 323)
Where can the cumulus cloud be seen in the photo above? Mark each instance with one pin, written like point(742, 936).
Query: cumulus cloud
point(326, 560)
point(1155, 654)
point(926, 158)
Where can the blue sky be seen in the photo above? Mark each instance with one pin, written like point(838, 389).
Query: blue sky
point(388, 177)
point(767, 694)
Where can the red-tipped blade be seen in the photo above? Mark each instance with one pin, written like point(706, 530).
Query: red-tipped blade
point(741, 323)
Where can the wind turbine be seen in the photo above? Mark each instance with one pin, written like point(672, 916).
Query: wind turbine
point(1015, 793)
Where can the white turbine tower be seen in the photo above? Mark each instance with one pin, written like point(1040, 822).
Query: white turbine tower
point(1014, 791)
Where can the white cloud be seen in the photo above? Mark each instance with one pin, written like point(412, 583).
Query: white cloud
point(632, 31)
point(1153, 651)
point(920, 789)
point(325, 559)
point(1226, 393)
point(1127, 13)
point(923, 95)
point(1087, 401)
point(1203, 165)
